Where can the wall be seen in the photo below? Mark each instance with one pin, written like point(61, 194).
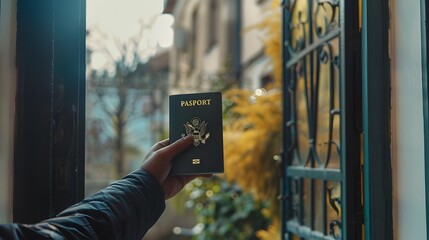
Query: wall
point(409, 209)
point(252, 42)
point(7, 96)
point(254, 63)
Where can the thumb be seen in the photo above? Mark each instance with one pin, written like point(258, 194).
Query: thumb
point(177, 147)
point(159, 163)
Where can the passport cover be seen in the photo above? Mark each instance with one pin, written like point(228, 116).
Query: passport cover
point(200, 115)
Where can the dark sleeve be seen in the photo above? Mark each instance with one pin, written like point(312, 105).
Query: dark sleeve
point(124, 210)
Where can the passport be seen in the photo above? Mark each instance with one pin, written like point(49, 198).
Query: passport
point(199, 115)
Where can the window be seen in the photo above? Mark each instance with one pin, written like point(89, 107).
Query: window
point(193, 48)
point(212, 23)
point(321, 136)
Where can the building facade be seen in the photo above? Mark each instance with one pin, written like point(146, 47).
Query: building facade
point(215, 41)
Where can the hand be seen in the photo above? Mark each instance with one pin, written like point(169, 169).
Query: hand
point(158, 164)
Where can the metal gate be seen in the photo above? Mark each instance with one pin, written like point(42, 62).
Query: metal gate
point(322, 120)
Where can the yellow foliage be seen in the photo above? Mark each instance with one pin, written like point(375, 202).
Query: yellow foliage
point(272, 233)
point(251, 139)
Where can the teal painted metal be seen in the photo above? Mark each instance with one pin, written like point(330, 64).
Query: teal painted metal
point(365, 118)
point(304, 169)
point(314, 173)
point(424, 31)
point(367, 207)
point(285, 210)
point(376, 121)
point(344, 111)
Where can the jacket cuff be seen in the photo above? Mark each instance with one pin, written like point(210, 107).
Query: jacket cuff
point(147, 184)
point(147, 180)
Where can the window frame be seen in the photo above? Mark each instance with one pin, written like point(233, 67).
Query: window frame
point(350, 100)
point(377, 189)
point(48, 170)
point(425, 87)
point(376, 116)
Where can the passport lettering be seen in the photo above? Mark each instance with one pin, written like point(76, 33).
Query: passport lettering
point(199, 102)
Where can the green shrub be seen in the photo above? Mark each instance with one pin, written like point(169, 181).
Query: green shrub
point(225, 211)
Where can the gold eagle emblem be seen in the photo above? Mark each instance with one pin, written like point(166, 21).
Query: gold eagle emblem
point(197, 129)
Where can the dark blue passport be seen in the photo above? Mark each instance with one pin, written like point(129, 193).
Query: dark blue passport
point(199, 115)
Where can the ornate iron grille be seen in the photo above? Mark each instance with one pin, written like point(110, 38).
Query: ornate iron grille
point(315, 133)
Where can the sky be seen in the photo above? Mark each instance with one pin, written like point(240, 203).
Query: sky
point(137, 24)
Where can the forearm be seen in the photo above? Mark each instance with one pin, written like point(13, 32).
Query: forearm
point(124, 210)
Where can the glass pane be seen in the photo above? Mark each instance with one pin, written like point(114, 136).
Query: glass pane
point(302, 130)
point(319, 205)
point(307, 198)
point(328, 103)
point(334, 159)
point(323, 108)
point(314, 79)
point(296, 200)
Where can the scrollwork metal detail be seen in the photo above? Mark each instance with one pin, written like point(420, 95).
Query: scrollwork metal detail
point(335, 229)
point(313, 76)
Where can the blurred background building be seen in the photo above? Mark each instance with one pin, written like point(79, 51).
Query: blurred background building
point(217, 44)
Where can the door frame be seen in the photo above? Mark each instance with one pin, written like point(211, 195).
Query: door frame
point(376, 120)
point(49, 152)
point(425, 87)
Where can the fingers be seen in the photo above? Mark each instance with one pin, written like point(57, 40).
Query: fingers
point(160, 145)
point(178, 146)
point(156, 147)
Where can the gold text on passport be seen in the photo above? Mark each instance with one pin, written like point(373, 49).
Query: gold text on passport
point(195, 102)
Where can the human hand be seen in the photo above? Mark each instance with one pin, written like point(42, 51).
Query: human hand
point(158, 164)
